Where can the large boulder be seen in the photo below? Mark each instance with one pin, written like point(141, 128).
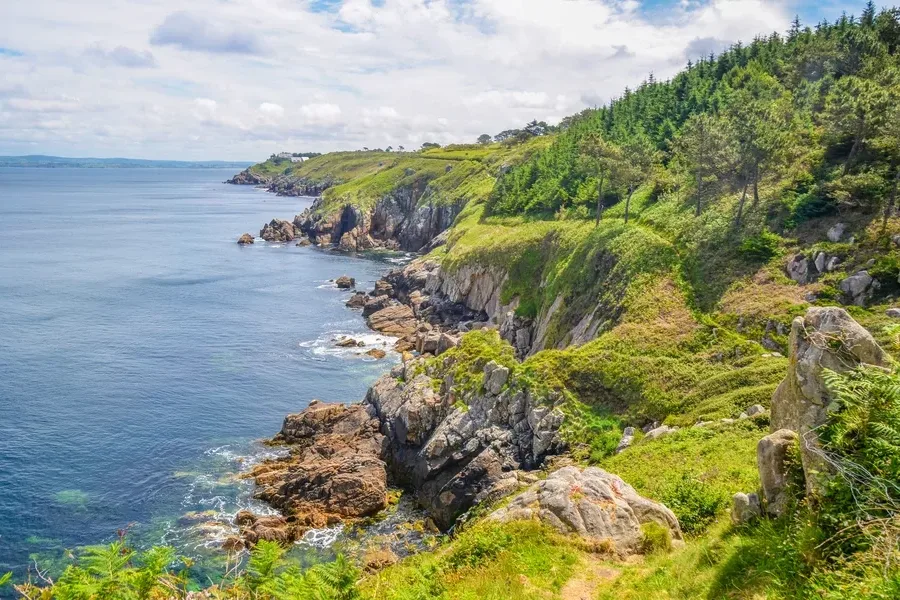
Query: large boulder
point(245, 239)
point(858, 289)
point(397, 320)
point(826, 338)
point(744, 508)
point(593, 504)
point(772, 454)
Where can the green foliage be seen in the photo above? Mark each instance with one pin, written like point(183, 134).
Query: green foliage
point(761, 247)
point(118, 572)
point(655, 538)
point(522, 559)
point(694, 502)
point(5, 578)
point(463, 366)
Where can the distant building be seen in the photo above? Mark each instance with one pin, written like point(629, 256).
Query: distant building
point(283, 155)
point(298, 158)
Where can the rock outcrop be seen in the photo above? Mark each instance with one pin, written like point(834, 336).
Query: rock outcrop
point(278, 230)
point(826, 338)
point(335, 469)
point(398, 221)
point(247, 177)
point(592, 503)
point(457, 452)
point(245, 239)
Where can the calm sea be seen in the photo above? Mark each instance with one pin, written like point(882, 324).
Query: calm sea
point(142, 352)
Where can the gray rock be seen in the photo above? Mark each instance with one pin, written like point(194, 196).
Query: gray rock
point(626, 439)
point(446, 342)
point(495, 377)
point(896, 239)
point(798, 269)
point(756, 409)
point(832, 264)
point(859, 288)
point(660, 432)
point(457, 458)
point(592, 503)
point(771, 453)
point(894, 313)
point(745, 508)
point(836, 233)
point(826, 338)
point(820, 262)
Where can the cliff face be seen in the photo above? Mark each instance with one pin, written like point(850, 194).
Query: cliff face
point(395, 222)
point(449, 298)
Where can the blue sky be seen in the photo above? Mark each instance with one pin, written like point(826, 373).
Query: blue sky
point(240, 79)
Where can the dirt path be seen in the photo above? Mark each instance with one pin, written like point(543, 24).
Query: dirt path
point(583, 586)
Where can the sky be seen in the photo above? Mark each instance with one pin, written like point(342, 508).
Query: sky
point(242, 79)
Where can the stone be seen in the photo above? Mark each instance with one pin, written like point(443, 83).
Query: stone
point(373, 305)
point(798, 269)
point(626, 440)
point(345, 282)
point(357, 300)
point(347, 343)
point(495, 377)
point(304, 241)
point(771, 454)
point(593, 504)
point(894, 313)
point(859, 288)
point(832, 264)
point(745, 508)
point(245, 239)
point(896, 240)
point(836, 232)
point(756, 409)
point(446, 342)
point(820, 262)
point(825, 338)
point(376, 353)
point(397, 320)
point(660, 431)
point(427, 342)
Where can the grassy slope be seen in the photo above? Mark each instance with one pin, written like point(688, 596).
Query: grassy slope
point(440, 175)
point(687, 311)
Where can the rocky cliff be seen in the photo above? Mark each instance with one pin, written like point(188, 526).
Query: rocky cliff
point(452, 449)
point(397, 222)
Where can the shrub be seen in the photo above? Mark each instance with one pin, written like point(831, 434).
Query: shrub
point(478, 545)
point(694, 502)
point(762, 247)
point(655, 538)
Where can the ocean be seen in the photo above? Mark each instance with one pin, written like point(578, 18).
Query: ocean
point(143, 353)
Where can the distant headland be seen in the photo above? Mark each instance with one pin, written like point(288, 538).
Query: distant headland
point(37, 160)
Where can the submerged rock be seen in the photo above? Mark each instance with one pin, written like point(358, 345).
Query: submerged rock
point(592, 503)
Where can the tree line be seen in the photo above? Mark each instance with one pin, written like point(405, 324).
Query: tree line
point(818, 107)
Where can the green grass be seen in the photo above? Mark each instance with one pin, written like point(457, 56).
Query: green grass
point(488, 561)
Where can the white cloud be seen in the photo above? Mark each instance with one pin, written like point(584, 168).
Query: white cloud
point(321, 114)
point(271, 109)
point(244, 78)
